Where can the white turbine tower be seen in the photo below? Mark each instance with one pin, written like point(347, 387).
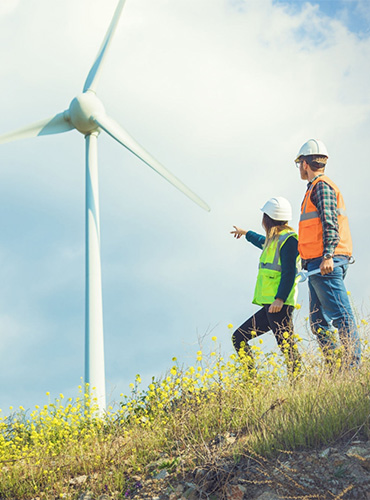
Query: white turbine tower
point(87, 115)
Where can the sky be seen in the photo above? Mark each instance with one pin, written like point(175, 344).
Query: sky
point(223, 93)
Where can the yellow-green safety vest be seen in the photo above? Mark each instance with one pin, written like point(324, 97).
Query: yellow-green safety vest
point(269, 272)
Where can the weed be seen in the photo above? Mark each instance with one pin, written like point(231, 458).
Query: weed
point(192, 416)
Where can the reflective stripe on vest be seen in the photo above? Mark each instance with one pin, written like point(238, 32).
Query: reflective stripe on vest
point(274, 265)
point(310, 242)
point(313, 215)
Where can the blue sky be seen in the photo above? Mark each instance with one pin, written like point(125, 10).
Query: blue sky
point(354, 14)
point(223, 94)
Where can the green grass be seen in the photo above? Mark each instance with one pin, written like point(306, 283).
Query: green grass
point(173, 423)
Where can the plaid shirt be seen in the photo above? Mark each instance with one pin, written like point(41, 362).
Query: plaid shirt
point(324, 198)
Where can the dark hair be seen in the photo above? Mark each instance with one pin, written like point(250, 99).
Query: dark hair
point(316, 162)
point(273, 227)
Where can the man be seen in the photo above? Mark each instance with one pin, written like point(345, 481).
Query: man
point(325, 239)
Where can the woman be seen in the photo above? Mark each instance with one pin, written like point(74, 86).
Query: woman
point(276, 287)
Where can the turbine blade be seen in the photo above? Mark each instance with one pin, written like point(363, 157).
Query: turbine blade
point(93, 76)
point(119, 134)
point(54, 125)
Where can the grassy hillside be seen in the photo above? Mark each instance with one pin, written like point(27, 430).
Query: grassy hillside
point(173, 424)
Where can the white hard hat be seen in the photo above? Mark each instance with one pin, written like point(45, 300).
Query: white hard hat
point(313, 147)
point(278, 208)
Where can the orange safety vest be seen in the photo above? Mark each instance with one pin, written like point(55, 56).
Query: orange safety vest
point(310, 240)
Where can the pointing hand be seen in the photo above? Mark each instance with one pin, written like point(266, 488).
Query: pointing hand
point(238, 233)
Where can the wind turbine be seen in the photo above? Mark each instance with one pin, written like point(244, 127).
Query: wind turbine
point(86, 114)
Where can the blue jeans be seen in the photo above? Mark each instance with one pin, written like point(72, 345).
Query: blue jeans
point(330, 309)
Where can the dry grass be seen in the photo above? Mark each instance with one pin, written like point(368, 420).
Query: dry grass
point(188, 418)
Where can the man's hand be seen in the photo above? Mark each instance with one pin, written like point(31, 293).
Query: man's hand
point(326, 266)
point(276, 306)
point(238, 233)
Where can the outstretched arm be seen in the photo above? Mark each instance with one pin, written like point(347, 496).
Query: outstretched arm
point(256, 239)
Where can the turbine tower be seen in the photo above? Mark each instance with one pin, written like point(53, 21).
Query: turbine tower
point(86, 114)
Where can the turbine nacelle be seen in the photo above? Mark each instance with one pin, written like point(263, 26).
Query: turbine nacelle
point(82, 110)
point(86, 114)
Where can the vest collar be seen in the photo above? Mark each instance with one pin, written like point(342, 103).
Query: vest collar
point(311, 181)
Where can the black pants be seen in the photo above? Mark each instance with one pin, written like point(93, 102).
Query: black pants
point(263, 321)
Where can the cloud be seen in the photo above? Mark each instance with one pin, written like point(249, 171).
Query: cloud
point(8, 6)
point(224, 94)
